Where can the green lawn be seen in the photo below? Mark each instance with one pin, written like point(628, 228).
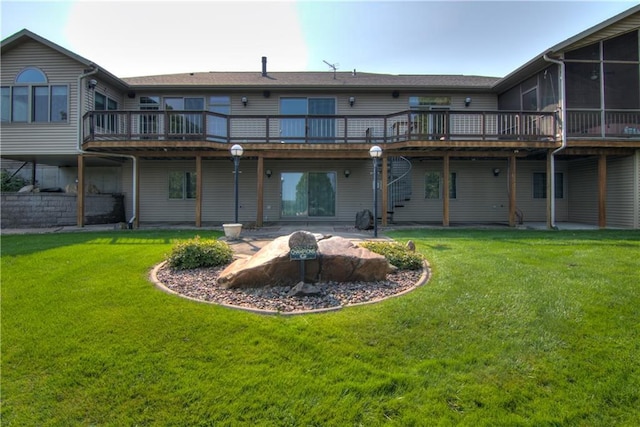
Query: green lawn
point(514, 328)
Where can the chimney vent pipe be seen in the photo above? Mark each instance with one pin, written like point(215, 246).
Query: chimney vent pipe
point(264, 66)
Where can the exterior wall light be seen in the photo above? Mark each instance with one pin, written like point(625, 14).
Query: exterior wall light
point(496, 171)
point(91, 84)
point(347, 172)
point(268, 173)
point(467, 102)
point(244, 101)
point(352, 100)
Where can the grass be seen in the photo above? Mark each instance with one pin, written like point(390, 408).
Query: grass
point(514, 328)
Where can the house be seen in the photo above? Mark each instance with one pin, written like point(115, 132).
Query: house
point(556, 140)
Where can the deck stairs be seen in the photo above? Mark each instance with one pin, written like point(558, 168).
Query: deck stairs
point(399, 184)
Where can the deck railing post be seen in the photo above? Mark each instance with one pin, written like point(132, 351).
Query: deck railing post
point(266, 125)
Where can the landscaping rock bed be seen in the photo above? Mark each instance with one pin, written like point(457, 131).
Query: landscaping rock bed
point(200, 284)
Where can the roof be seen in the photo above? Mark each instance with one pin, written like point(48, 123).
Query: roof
point(355, 80)
point(313, 80)
point(25, 35)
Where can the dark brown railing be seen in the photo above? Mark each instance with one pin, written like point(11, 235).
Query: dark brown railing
point(617, 123)
point(402, 126)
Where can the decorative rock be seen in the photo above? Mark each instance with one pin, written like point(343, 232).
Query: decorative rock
point(303, 289)
point(343, 261)
point(411, 246)
point(338, 260)
point(364, 220)
point(270, 266)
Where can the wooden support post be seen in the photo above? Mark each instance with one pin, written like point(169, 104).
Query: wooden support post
point(136, 220)
point(512, 190)
point(385, 194)
point(602, 191)
point(198, 191)
point(445, 190)
point(80, 192)
point(260, 202)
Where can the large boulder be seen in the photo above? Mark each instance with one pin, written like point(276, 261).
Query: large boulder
point(338, 260)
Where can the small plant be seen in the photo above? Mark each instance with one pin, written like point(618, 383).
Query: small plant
point(197, 252)
point(397, 254)
point(11, 183)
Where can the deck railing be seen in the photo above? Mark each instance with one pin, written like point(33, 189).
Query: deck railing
point(379, 129)
point(617, 123)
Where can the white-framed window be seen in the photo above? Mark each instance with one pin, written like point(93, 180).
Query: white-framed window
point(106, 121)
point(433, 185)
point(33, 100)
point(540, 185)
point(182, 185)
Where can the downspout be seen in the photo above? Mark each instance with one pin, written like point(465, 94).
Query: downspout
point(81, 111)
point(563, 145)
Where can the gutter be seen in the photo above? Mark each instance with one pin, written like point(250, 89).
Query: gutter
point(563, 120)
point(81, 78)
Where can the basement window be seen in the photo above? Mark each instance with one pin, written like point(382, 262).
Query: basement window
point(182, 185)
point(540, 185)
point(433, 185)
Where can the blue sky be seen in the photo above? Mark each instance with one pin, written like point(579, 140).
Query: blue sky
point(131, 38)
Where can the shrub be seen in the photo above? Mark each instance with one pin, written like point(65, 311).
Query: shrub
point(196, 252)
point(397, 254)
point(11, 183)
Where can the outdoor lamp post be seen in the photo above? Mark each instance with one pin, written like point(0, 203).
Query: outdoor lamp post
point(236, 153)
point(375, 152)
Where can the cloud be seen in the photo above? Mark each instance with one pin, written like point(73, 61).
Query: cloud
point(147, 38)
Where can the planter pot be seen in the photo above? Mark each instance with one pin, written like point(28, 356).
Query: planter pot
point(232, 231)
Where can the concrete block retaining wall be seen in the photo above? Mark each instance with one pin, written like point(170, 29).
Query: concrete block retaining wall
point(39, 210)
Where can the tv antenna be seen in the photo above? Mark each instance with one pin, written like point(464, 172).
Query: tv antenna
point(334, 67)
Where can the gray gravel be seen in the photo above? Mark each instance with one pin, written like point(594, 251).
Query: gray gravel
point(201, 284)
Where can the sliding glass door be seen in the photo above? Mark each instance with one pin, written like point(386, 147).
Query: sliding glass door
point(297, 129)
point(308, 194)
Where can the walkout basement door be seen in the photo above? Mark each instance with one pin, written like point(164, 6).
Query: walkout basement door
point(308, 194)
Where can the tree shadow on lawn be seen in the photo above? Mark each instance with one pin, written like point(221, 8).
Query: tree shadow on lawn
point(25, 244)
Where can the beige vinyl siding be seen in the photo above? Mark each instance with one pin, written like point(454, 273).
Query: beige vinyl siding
point(218, 198)
point(481, 196)
point(155, 204)
point(218, 203)
point(41, 138)
point(620, 192)
point(636, 190)
point(127, 189)
point(583, 191)
point(353, 194)
point(535, 209)
point(378, 103)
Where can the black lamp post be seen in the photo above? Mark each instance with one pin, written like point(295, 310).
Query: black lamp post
point(236, 153)
point(375, 152)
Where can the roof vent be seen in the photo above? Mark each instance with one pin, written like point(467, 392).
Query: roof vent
point(264, 66)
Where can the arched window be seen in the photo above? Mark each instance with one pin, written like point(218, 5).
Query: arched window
point(33, 100)
point(31, 75)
